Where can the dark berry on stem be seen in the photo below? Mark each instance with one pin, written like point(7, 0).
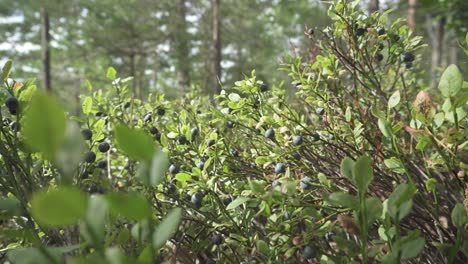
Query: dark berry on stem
point(87, 134)
point(90, 157)
point(103, 147)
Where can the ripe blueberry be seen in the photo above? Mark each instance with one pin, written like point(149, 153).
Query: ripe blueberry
point(103, 147)
point(12, 103)
point(210, 261)
point(305, 183)
point(147, 117)
point(170, 188)
point(102, 164)
point(227, 200)
point(379, 57)
point(197, 199)
point(270, 133)
point(407, 57)
point(315, 137)
point(360, 31)
point(174, 169)
point(182, 140)
point(87, 134)
point(381, 46)
point(127, 105)
point(153, 130)
point(297, 140)
point(194, 132)
point(381, 31)
point(235, 153)
point(310, 31)
point(93, 189)
point(296, 155)
point(90, 157)
point(309, 252)
point(210, 142)
point(217, 239)
point(229, 124)
point(280, 168)
point(263, 87)
point(14, 126)
point(161, 111)
point(201, 165)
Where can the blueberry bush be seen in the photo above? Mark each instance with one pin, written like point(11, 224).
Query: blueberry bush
point(365, 164)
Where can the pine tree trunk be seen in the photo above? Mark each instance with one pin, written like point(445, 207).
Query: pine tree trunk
point(182, 47)
point(45, 46)
point(412, 14)
point(373, 6)
point(216, 47)
point(437, 39)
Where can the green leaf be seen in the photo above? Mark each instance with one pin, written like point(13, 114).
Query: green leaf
point(395, 165)
point(9, 207)
point(431, 184)
point(439, 119)
point(159, 166)
point(401, 197)
point(96, 215)
point(412, 249)
point(459, 215)
point(44, 124)
point(111, 73)
point(70, 153)
point(343, 199)
point(394, 100)
point(347, 166)
point(6, 70)
point(362, 173)
point(385, 127)
point(167, 228)
point(59, 207)
point(237, 202)
point(183, 177)
point(374, 209)
point(136, 143)
point(33, 256)
point(87, 105)
point(129, 205)
point(263, 247)
point(451, 81)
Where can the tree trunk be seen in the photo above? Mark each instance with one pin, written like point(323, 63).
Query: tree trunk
point(436, 34)
point(182, 44)
point(373, 6)
point(412, 14)
point(216, 47)
point(45, 46)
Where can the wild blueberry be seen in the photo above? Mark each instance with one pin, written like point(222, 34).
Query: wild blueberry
point(170, 188)
point(210, 142)
point(210, 261)
point(360, 31)
point(12, 103)
point(93, 189)
point(379, 57)
point(229, 124)
point(315, 137)
point(182, 140)
point(147, 118)
point(227, 200)
point(174, 169)
point(305, 183)
point(153, 130)
point(194, 132)
point(381, 31)
point(14, 126)
point(201, 165)
point(87, 134)
point(280, 168)
point(103, 147)
point(296, 155)
point(263, 87)
point(127, 105)
point(320, 111)
point(309, 252)
point(270, 133)
point(161, 111)
point(217, 239)
point(197, 199)
point(90, 157)
point(310, 31)
point(234, 152)
point(102, 164)
point(407, 57)
point(297, 140)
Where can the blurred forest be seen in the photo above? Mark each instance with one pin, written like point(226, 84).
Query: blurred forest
point(174, 46)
